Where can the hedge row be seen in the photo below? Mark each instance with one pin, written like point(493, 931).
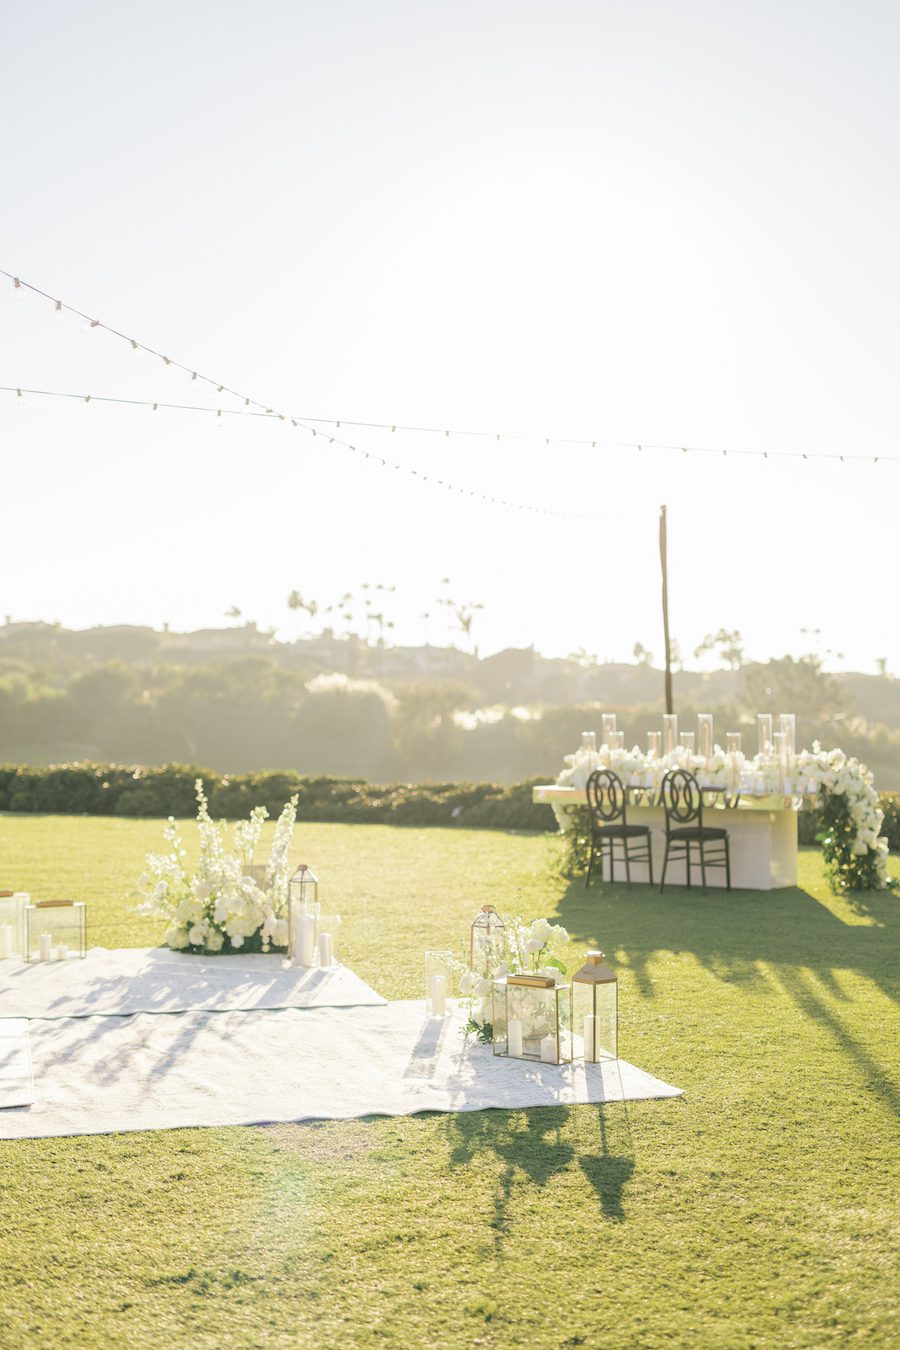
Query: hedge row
point(116, 790)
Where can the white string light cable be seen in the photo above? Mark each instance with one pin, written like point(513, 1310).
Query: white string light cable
point(311, 424)
point(253, 407)
point(270, 415)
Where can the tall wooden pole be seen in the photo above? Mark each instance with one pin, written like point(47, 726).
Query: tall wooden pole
point(665, 605)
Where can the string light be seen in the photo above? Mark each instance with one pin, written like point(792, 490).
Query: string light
point(309, 423)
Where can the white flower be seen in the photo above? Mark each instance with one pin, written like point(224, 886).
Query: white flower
point(176, 938)
point(483, 987)
point(541, 930)
point(237, 941)
point(466, 982)
point(160, 889)
point(534, 945)
point(197, 934)
point(214, 940)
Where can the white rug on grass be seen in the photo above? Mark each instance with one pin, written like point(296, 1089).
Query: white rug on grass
point(97, 1075)
point(15, 1063)
point(156, 980)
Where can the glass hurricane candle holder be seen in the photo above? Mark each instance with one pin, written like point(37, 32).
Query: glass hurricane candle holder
point(486, 939)
point(705, 737)
point(55, 930)
point(781, 759)
point(670, 733)
point(12, 923)
point(607, 727)
point(687, 739)
point(328, 929)
point(617, 740)
point(654, 744)
point(303, 903)
point(532, 1019)
point(735, 757)
point(438, 982)
point(764, 733)
point(595, 992)
point(788, 725)
point(589, 741)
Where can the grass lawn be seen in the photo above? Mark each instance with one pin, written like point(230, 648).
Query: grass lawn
point(757, 1210)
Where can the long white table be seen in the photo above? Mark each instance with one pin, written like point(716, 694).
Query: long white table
point(762, 833)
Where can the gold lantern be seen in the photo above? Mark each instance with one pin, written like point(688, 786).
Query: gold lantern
point(532, 1019)
point(596, 1008)
point(303, 915)
point(486, 941)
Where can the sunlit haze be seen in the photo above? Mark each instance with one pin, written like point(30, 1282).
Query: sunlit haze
point(616, 222)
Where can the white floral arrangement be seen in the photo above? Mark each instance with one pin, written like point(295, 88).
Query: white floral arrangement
point(814, 773)
point(536, 948)
point(222, 907)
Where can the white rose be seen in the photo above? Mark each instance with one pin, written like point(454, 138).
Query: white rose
point(197, 934)
point(176, 938)
point(534, 945)
point(482, 988)
point(466, 982)
point(214, 940)
point(237, 940)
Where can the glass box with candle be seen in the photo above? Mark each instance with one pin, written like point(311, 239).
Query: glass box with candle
point(55, 930)
point(303, 901)
point(438, 982)
point(12, 923)
point(532, 1019)
point(486, 939)
point(596, 1009)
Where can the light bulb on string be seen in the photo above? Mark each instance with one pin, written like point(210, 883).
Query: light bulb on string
point(90, 324)
point(20, 399)
point(219, 419)
point(18, 288)
point(58, 310)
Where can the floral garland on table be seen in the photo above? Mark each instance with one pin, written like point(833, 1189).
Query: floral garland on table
point(537, 948)
point(855, 851)
point(220, 907)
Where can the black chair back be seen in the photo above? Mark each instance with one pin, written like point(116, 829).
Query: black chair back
point(681, 798)
point(606, 797)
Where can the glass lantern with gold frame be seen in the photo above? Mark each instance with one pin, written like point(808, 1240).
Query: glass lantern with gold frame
point(486, 940)
point(595, 1008)
point(55, 930)
point(532, 1019)
point(303, 902)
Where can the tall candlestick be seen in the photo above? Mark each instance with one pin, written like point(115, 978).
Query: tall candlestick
point(549, 1050)
point(6, 939)
point(438, 995)
point(514, 1038)
point(326, 950)
point(590, 1038)
point(45, 946)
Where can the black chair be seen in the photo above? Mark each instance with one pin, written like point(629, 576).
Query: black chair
point(607, 800)
point(682, 802)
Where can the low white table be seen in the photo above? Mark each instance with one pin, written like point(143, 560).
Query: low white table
point(762, 832)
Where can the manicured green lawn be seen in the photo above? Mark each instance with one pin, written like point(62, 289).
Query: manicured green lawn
point(757, 1210)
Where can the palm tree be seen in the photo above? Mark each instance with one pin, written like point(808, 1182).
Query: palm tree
point(233, 613)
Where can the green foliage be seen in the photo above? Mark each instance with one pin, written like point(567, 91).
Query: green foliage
point(109, 789)
point(846, 870)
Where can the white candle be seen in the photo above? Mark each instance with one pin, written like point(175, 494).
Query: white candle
point(326, 950)
point(590, 1039)
point(514, 1038)
point(61, 952)
point(549, 1053)
point(6, 939)
point(305, 947)
point(45, 946)
point(438, 995)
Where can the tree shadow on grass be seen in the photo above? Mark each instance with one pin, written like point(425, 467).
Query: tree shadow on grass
point(535, 1145)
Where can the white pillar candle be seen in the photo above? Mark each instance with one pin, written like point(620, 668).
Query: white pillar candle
point(590, 1039)
point(305, 949)
point(45, 946)
point(326, 950)
point(61, 952)
point(438, 995)
point(514, 1038)
point(6, 939)
point(549, 1053)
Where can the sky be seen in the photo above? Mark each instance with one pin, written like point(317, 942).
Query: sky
point(599, 221)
